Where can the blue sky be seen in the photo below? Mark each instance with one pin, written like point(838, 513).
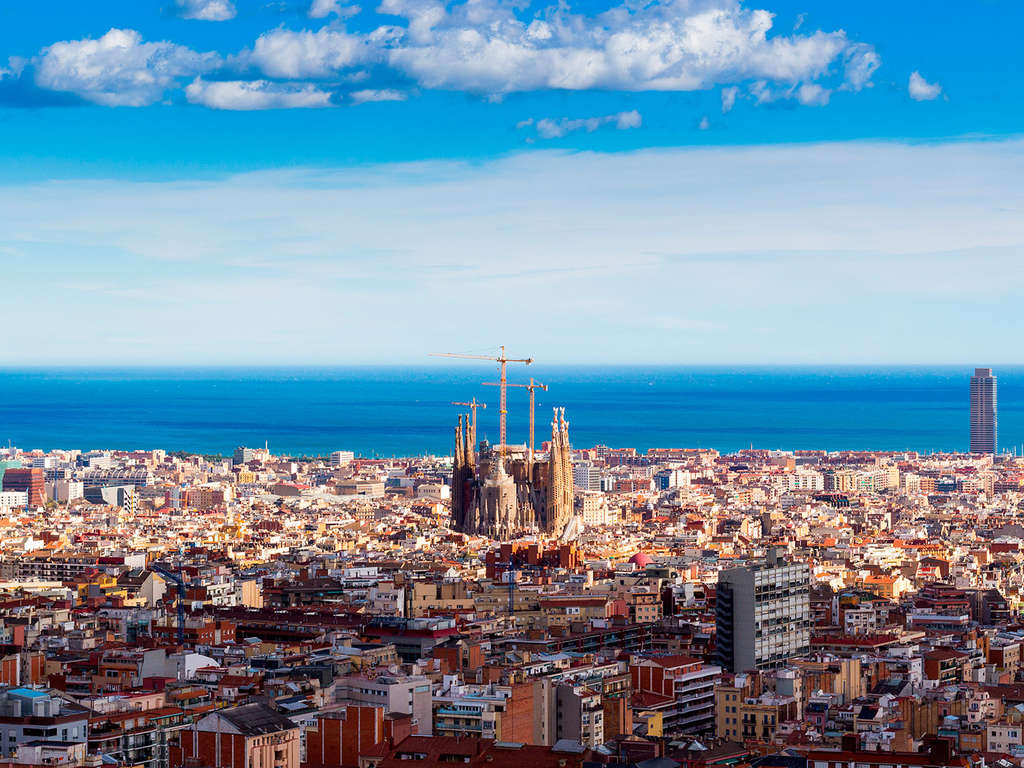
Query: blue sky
point(707, 181)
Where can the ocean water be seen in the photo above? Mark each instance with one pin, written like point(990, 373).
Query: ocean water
point(396, 411)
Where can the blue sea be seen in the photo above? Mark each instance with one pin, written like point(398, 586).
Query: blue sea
point(399, 411)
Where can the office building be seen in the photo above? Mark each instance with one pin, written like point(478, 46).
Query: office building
point(983, 411)
point(586, 477)
point(68, 490)
point(342, 458)
point(763, 615)
point(244, 455)
point(32, 480)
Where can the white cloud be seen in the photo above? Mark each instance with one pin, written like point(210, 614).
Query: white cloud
point(494, 47)
point(371, 94)
point(920, 89)
point(118, 69)
point(861, 62)
point(665, 45)
point(321, 9)
point(555, 128)
point(704, 124)
point(630, 119)
point(243, 95)
point(206, 10)
point(729, 98)
point(813, 95)
point(808, 94)
point(287, 54)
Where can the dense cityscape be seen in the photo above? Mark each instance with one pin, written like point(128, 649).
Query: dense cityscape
point(734, 495)
point(516, 602)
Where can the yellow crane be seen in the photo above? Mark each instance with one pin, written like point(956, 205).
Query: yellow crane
point(502, 362)
point(472, 405)
point(532, 387)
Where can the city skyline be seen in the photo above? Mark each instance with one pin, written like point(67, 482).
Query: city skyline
point(395, 411)
point(711, 182)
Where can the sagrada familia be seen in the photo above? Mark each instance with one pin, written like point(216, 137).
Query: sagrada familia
point(502, 497)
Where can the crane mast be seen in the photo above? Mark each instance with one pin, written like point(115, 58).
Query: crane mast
point(532, 387)
point(502, 362)
point(472, 405)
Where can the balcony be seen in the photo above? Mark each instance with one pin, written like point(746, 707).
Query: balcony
point(473, 728)
point(452, 711)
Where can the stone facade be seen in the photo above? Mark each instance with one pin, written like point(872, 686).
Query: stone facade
point(503, 498)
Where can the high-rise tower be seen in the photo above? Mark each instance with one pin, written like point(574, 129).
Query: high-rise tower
point(762, 614)
point(983, 411)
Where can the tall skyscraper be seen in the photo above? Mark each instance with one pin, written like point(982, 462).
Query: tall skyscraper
point(983, 411)
point(763, 614)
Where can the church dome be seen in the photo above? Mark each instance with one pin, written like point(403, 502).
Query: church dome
point(640, 560)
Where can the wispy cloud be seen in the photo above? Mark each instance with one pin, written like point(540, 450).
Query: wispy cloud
point(729, 98)
point(374, 94)
point(555, 240)
point(242, 95)
point(556, 128)
point(206, 10)
point(322, 9)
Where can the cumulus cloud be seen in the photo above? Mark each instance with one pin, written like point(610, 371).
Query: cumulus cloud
point(555, 128)
point(118, 69)
point(921, 90)
point(665, 45)
point(247, 95)
point(321, 9)
point(704, 124)
point(371, 94)
point(494, 47)
point(287, 54)
point(206, 10)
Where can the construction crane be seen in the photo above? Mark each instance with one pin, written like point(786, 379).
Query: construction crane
point(502, 362)
point(179, 579)
point(532, 387)
point(472, 405)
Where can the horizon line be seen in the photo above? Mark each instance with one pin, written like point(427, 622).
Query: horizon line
point(166, 366)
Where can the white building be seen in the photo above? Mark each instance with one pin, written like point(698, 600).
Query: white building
point(13, 500)
point(342, 458)
point(586, 477)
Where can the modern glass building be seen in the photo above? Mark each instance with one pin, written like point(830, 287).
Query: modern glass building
point(983, 411)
